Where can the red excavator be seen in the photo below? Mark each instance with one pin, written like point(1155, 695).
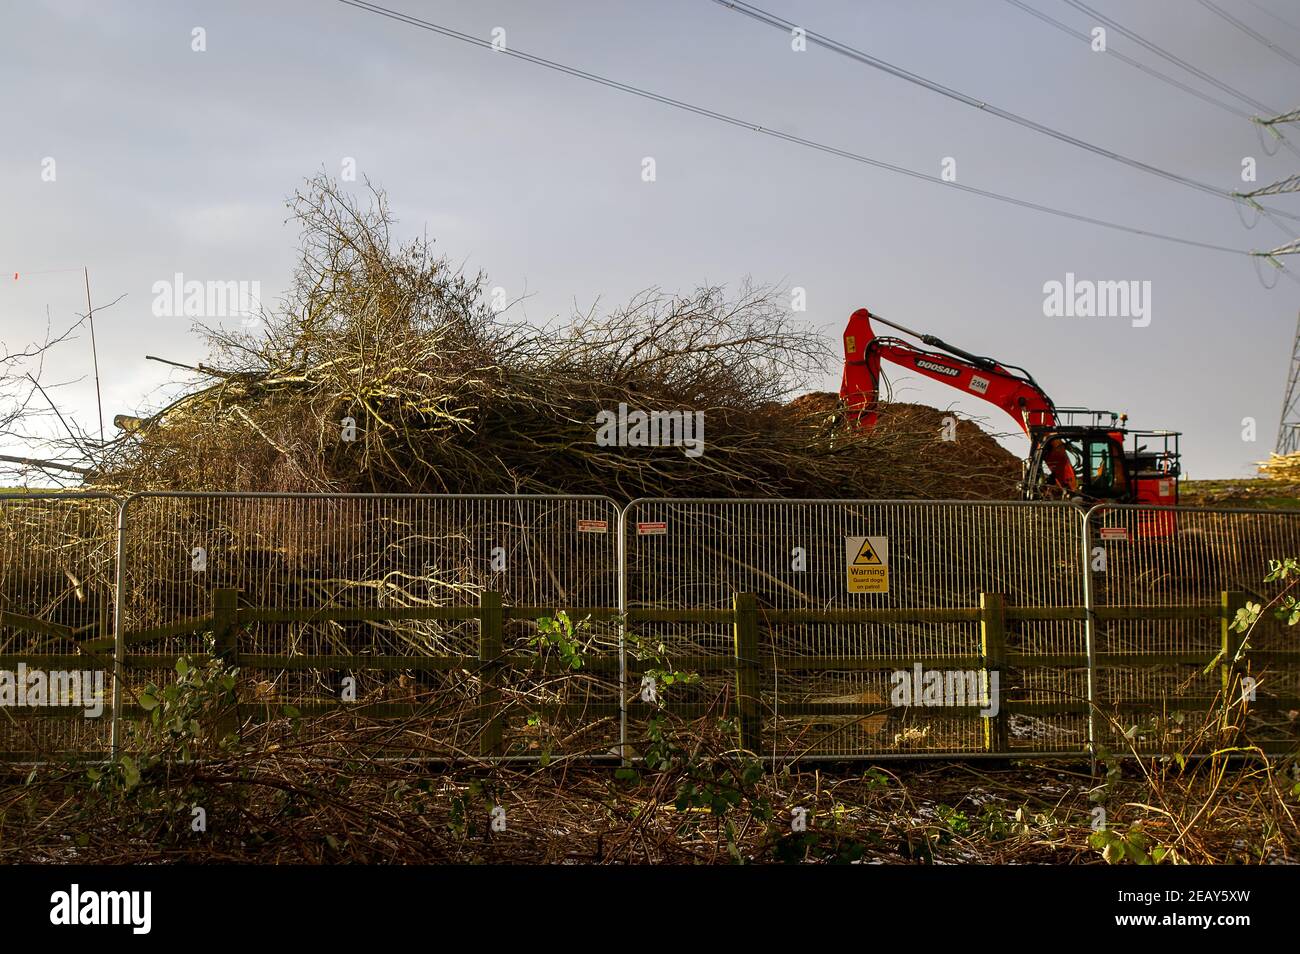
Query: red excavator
point(1074, 453)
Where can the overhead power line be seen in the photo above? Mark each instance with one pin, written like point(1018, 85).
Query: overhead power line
point(1136, 64)
point(450, 33)
point(1244, 28)
point(44, 271)
point(1194, 70)
point(1170, 57)
point(843, 49)
point(1265, 10)
point(1163, 77)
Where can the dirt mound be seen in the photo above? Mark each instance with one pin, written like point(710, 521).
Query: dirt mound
point(972, 465)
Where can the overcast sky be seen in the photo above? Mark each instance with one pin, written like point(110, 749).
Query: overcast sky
point(168, 159)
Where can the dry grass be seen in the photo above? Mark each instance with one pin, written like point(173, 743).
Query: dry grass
point(283, 794)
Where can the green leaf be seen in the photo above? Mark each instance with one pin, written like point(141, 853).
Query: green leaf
point(148, 702)
point(130, 772)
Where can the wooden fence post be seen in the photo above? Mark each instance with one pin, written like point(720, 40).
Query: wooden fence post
point(1231, 601)
point(747, 666)
point(993, 647)
point(225, 635)
point(491, 646)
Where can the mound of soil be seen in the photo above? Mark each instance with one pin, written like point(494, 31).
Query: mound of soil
point(971, 466)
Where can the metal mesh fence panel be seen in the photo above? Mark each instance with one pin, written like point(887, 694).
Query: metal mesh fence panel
point(1160, 581)
point(878, 626)
point(57, 576)
point(370, 607)
point(793, 555)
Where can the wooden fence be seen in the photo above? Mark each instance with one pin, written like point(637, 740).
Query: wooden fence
point(1117, 658)
point(750, 665)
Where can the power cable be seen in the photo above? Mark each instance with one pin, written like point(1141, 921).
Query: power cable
point(1136, 64)
point(835, 46)
point(1166, 55)
point(1244, 28)
point(1265, 10)
point(450, 33)
point(1163, 77)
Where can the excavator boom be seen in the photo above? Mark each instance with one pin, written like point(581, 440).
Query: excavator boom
point(1008, 388)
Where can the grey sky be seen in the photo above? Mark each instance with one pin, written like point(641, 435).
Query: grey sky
point(170, 160)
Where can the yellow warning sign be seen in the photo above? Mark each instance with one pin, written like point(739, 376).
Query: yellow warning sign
point(867, 564)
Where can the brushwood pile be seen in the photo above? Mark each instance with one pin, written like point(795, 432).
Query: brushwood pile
point(386, 370)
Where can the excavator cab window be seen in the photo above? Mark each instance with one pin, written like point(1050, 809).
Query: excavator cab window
point(1106, 477)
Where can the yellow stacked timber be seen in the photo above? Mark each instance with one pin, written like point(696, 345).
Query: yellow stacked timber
point(1284, 467)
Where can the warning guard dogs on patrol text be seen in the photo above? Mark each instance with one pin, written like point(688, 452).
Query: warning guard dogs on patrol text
point(866, 564)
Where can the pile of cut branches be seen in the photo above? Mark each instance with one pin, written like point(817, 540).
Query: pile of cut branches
point(385, 370)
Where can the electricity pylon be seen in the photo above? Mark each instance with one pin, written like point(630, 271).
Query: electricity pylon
point(1288, 431)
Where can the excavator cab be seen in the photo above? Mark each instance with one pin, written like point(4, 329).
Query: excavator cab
point(1078, 463)
point(1095, 458)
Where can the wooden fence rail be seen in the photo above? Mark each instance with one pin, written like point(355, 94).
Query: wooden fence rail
point(749, 662)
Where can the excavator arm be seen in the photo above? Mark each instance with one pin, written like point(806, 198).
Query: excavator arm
point(1011, 389)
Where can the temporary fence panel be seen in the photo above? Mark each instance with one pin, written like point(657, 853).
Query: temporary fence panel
point(852, 597)
point(57, 577)
point(1165, 585)
point(387, 607)
point(821, 628)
